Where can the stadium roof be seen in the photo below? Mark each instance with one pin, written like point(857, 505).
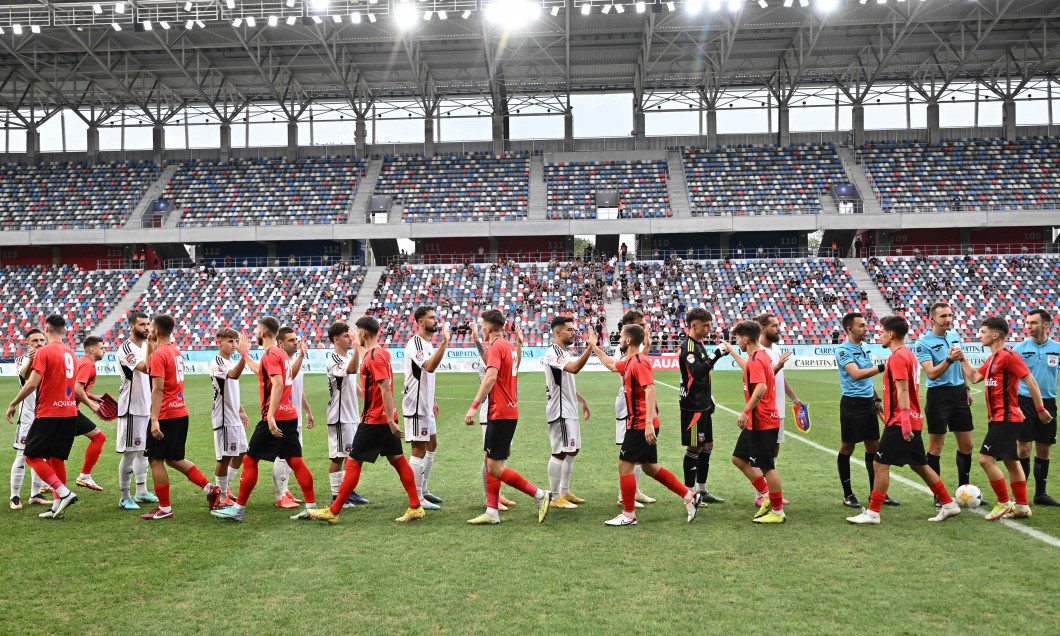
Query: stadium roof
point(72, 55)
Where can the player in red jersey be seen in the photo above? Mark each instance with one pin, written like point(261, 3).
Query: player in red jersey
point(1002, 373)
point(501, 385)
point(169, 421)
point(84, 379)
point(901, 442)
point(276, 434)
point(52, 434)
point(378, 433)
point(639, 448)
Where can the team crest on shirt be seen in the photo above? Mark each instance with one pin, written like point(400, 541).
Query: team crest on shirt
point(423, 432)
point(137, 442)
point(1052, 359)
point(420, 356)
point(690, 358)
point(572, 443)
point(232, 447)
point(22, 441)
point(702, 438)
point(347, 448)
point(130, 358)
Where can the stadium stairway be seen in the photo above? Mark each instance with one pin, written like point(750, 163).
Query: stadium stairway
point(367, 293)
point(612, 314)
point(538, 208)
point(865, 283)
point(154, 191)
point(860, 179)
point(358, 209)
point(676, 185)
point(128, 301)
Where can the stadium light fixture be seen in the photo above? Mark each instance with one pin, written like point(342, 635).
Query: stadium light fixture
point(881, 1)
point(34, 28)
point(788, 3)
point(827, 5)
point(442, 15)
point(427, 15)
point(119, 7)
point(291, 20)
point(189, 25)
point(337, 19)
point(465, 15)
point(606, 9)
point(290, 4)
point(164, 25)
point(320, 5)
point(251, 21)
point(148, 26)
point(587, 8)
point(694, 6)
point(640, 6)
point(200, 24)
point(238, 22)
point(804, 3)
point(554, 11)
point(231, 4)
point(371, 18)
point(715, 5)
point(355, 18)
point(188, 6)
point(735, 5)
point(1, 30)
point(273, 20)
point(619, 8)
point(763, 4)
point(316, 19)
point(671, 7)
point(117, 27)
point(97, 9)
point(406, 15)
point(513, 13)
point(17, 28)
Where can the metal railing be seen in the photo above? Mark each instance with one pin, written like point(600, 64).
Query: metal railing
point(119, 263)
point(643, 255)
point(340, 218)
point(259, 261)
point(934, 251)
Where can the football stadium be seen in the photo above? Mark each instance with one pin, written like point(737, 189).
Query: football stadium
point(530, 316)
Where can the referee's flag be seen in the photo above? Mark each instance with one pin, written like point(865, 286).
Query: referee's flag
point(802, 417)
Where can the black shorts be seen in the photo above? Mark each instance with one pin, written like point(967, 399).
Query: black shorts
point(264, 446)
point(498, 441)
point(895, 451)
point(756, 447)
point(51, 437)
point(636, 450)
point(1000, 440)
point(947, 410)
point(857, 420)
point(372, 440)
point(84, 425)
point(696, 428)
point(174, 437)
point(1033, 430)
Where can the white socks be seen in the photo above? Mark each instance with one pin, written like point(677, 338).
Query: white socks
point(280, 471)
point(417, 465)
point(336, 480)
point(222, 483)
point(428, 464)
point(140, 467)
point(555, 473)
point(564, 481)
point(18, 474)
point(485, 476)
point(126, 467)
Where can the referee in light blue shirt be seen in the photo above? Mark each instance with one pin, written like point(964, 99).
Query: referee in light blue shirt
point(1042, 356)
point(949, 400)
point(858, 406)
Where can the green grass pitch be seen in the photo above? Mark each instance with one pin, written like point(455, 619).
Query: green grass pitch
point(105, 571)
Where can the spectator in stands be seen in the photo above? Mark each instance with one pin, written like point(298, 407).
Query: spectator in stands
point(836, 337)
point(761, 252)
point(863, 296)
point(793, 282)
point(622, 253)
point(857, 246)
point(739, 249)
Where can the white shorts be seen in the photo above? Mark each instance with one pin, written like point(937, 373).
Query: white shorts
point(780, 433)
point(565, 435)
point(132, 432)
point(229, 441)
point(21, 433)
point(340, 440)
point(620, 431)
point(483, 432)
point(420, 429)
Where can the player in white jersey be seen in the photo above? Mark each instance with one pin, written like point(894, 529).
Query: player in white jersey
point(502, 502)
point(418, 405)
point(343, 414)
point(561, 408)
point(134, 412)
point(230, 421)
point(631, 317)
point(26, 413)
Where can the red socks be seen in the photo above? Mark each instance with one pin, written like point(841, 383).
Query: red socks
point(58, 467)
point(876, 499)
point(517, 481)
point(493, 491)
point(408, 480)
point(999, 489)
point(939, 490)
point(666, 478)
point(162, 492)
point(760, 484)
point(776, 500)
point(248, 478)
point(196, 477)
point(1019, 491)
point(346, 488)
point(44, 471)
point(304, 478)
point(628, 484)
point(92, 453)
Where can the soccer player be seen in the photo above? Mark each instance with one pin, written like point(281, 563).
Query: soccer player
point(169, 421)
point(281, 470)
point(51, 436)
point(418, 405)
point(501, 385)
point(631, 317)
point(949, 398)
point(562, 406)
point(1002, 372)
point(34, 340)
point(342, 412)
point(276, 434)
point(858, 405)
point(1042, 356)
point(134, 413)
point(901, 442)
point(696, 402)
point(483, 409)
point(84, 379)
point(640, 445)
point(378, 433)
point(229, 419)
point(759, 424)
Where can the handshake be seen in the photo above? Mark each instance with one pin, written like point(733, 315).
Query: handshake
point(956, 354)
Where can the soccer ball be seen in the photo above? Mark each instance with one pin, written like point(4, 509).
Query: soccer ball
point(968, 496)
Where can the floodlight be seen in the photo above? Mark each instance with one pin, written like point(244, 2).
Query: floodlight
point(273, 20)
point(165, 25)
point(97, 9)
point(119, 7)
point(670, 6)
point(34, 28)
point(231, 4)
point(290, 4)
point(406, 15)
point(17, 28)
point(291, 20)
point(640, 6)
point(371, 18)
point(619, 8)
point(188, 5)
point(606, 9)
point(189, 25)
point(117, 27)
point(763, 4)
point(355, 18)
point(200, 24)
point(251, 22)
point(694, 6)
point(238, 22)
point(465, 15)
point(827, 5)
point(587, 8)
point(316, 19)
point(442, 15)
point(147, 25)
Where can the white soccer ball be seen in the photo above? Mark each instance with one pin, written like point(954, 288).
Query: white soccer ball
point(968, 496)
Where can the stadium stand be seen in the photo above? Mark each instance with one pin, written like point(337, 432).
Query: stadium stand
point(274, 191)
point(975, 286)
point(310, 298)
point(750, 180)
point(963, 174)
point(63, 196)
point(84, 297)
point(572, 188)
point(808, 295)
point(457, 187)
